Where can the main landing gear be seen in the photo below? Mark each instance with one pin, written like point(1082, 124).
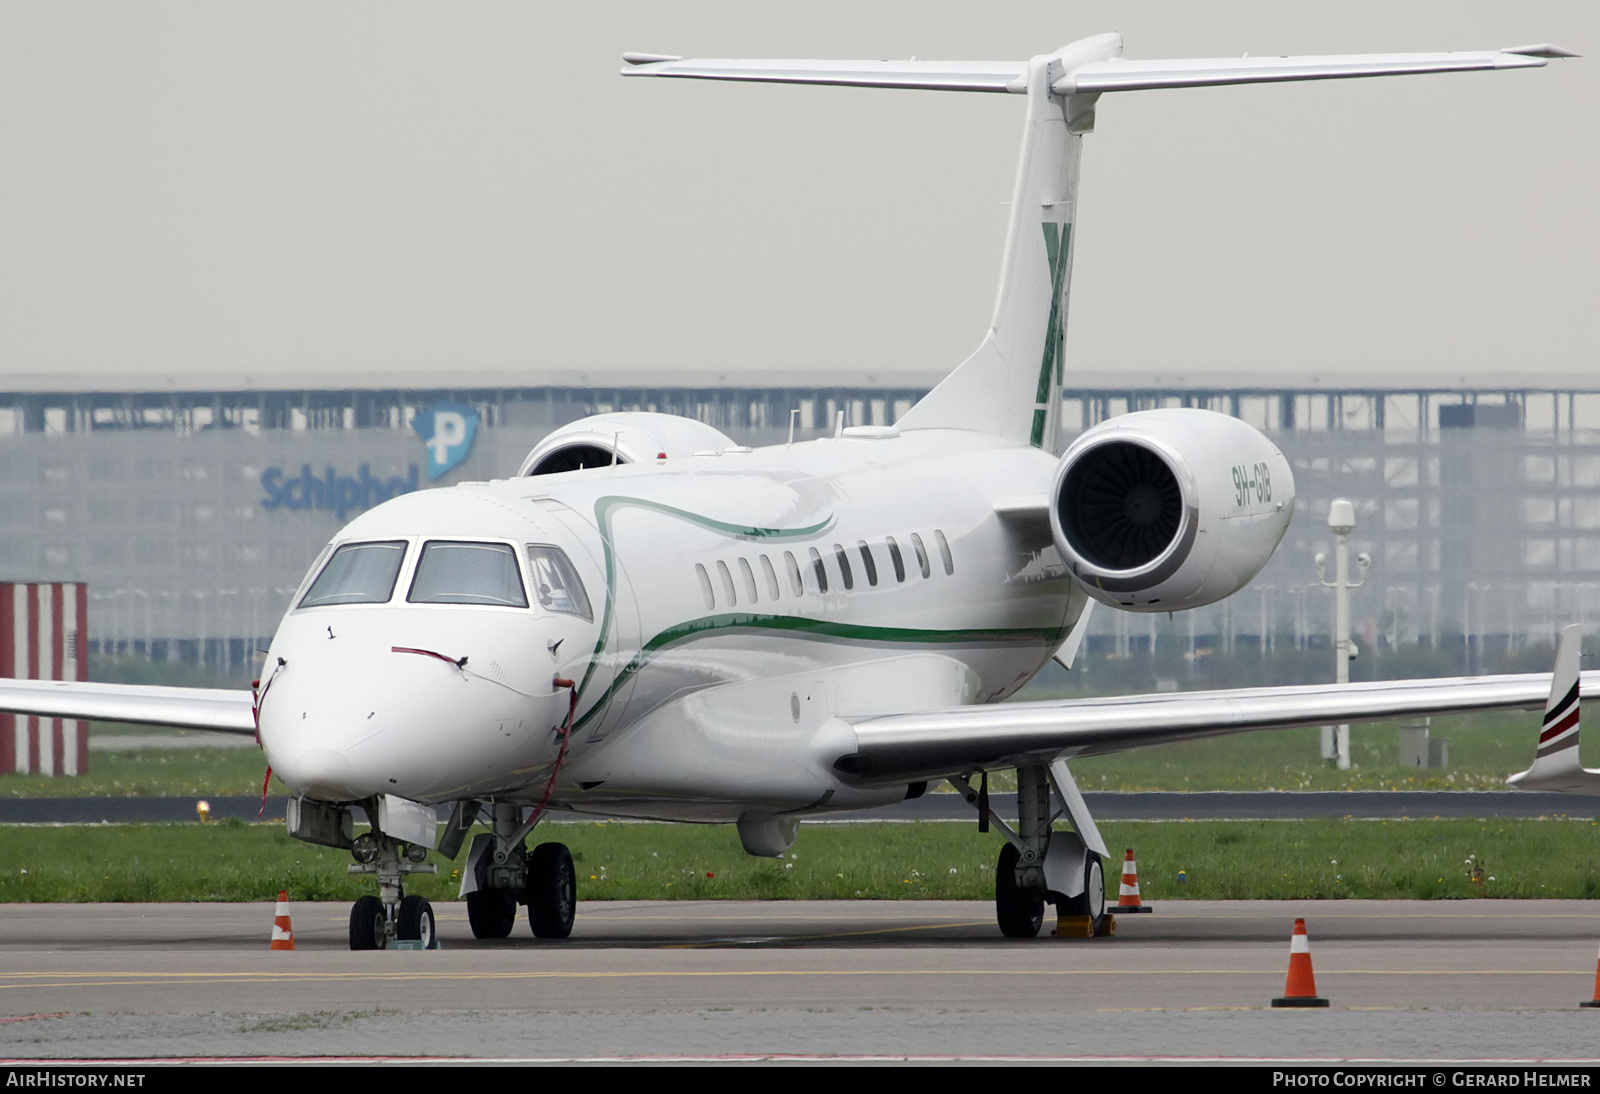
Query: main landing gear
point(1039, 864)
point(505, 873)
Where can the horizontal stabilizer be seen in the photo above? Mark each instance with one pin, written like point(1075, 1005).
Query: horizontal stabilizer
point(185, 708)
point(916, 75)
point(1119, 74)
point(1094, 78)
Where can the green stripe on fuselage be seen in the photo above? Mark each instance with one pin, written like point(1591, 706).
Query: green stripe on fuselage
point(825, 630)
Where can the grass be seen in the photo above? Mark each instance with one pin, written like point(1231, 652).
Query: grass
point(1423, 859)
point(152, 772)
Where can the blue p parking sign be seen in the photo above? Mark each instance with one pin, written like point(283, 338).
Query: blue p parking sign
point(447, 429)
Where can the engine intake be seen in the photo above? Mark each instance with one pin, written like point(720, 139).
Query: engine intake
point(1169, 509)
point(1121, 505)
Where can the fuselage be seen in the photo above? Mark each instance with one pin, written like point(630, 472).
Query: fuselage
point(729, 606)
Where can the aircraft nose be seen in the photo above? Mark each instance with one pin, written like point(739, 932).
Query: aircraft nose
point(322, 773)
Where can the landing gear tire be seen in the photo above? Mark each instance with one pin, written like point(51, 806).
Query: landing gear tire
point(367, 923)
point(413, 922)
point(552, 891)
point(492, 913)
point(1092, 901)
point(1019, 912)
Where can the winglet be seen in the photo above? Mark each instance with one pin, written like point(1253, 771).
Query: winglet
point(1555, 763)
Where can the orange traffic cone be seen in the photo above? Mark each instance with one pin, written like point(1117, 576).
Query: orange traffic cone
point(282, 932)
point(1595, 1002)
point(1128, 901)
point(1300, 989)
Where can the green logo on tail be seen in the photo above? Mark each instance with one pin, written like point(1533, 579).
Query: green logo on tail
point(1056, 238)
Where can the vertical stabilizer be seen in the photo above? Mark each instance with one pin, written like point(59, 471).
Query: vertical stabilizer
point(1009, 386)
point(1555, 763)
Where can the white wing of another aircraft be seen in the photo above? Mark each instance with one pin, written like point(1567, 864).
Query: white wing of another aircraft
point(649, 620)
point(1555, 760)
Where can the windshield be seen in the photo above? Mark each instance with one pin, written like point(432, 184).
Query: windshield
point(467, 573)
point(358, 573)
point(556, 583)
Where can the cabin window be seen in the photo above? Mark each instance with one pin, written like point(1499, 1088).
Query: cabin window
point(705, 587)
point(795, 582)
point(820, 570)
point(557, 586)
point(727, 583)
point(773, 591)
point(358, 573)
point(749, 579)
point(894, 557)
point(922, 554)
point(868, 563)
point(467, 573)
point(944, 552)
point(844, 566)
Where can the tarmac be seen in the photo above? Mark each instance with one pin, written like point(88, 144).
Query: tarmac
point(852, 981)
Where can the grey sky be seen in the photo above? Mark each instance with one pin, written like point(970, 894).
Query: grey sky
point(202, 187)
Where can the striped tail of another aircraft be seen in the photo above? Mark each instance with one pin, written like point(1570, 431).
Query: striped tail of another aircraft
point(1555, 763)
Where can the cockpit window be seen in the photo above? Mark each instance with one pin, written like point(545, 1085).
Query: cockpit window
point(358, 573)
point(556, 584)
point(467, 573)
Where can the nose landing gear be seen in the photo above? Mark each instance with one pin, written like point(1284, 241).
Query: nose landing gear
point(376, 922)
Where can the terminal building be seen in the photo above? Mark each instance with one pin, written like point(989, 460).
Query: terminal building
point(192, 510)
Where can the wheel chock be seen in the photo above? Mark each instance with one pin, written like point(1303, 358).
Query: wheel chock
point(1073, 926)
point(414, 944)
point(1082, 926)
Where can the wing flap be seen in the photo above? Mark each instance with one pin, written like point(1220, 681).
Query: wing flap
point(939, 742)
point(186, 708)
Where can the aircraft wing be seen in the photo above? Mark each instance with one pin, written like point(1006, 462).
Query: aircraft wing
point(935, 743)
point(185, 708)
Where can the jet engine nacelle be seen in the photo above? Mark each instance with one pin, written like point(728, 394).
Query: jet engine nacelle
point(1169, 509)
point(623, 437)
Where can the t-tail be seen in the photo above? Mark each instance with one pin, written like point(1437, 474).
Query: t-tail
point(1555, 762)
point(1011, 386)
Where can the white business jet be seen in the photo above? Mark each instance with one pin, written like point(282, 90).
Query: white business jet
point(650, 620)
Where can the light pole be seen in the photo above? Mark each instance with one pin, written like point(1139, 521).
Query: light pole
point(1341, 522)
